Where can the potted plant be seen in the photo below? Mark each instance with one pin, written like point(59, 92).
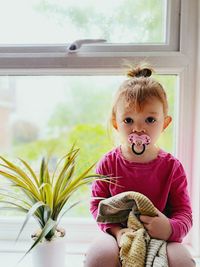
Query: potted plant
point(44, 195)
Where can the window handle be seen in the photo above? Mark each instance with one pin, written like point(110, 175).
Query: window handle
point(76, 45)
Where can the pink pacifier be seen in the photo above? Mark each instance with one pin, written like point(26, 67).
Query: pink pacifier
point(139, 141)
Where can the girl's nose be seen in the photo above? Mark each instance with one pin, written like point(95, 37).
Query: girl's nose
point(138, 128)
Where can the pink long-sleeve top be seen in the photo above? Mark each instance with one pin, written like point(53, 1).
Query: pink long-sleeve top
point(162, 180)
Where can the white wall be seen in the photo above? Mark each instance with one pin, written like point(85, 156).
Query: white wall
point(196, 151)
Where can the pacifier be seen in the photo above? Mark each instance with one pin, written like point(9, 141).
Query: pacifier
point(139, 142)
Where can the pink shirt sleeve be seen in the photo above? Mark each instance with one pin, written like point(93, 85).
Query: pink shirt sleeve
point(179, 206)
point(101, 189)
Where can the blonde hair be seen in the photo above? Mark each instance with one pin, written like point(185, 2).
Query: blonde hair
point(138, 89)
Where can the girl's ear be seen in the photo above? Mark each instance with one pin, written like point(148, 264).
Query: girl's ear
point(114, 123)
point(167, 121)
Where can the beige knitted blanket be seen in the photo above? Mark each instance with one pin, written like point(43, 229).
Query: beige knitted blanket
point(137, 248)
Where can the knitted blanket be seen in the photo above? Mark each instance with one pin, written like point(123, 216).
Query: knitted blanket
point(136, 247)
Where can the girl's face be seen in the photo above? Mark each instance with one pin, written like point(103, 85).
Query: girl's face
point(150, 120)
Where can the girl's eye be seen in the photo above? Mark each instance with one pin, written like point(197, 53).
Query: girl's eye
point(128, 120)
point(150, 120)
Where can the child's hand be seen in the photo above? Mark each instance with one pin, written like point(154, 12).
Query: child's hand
point(120, 233)
point(117, 232)
point(157, 227)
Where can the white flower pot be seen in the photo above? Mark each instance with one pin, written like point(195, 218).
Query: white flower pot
point(50, 253)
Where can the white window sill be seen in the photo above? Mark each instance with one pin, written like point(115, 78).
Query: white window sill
point(80, 230)
point(79, 234)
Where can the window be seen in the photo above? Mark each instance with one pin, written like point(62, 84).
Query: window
point(46, 114)
point(70, 20)
point(39, 61)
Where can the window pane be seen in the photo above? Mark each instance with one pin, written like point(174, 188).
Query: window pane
point(64, 21)
point(47, 114)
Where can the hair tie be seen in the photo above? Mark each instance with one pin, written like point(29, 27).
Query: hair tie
point(144, 73)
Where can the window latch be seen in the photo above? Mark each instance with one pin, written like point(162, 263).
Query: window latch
point(76, 45)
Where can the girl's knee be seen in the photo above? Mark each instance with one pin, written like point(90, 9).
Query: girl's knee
point(104, 252)
point(179, 256)
point(182, 262)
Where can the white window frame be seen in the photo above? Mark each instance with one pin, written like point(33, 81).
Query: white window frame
point(177, 56)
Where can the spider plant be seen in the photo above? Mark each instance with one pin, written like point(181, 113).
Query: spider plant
point(43, 195)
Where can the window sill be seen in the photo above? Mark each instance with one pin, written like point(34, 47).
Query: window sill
point(80, 230)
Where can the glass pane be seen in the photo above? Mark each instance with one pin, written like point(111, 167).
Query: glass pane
point(64, 21)
point(41, 115)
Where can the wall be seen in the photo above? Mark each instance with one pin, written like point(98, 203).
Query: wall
point(196, 152)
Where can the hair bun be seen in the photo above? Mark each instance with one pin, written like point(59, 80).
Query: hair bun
point(144, 73)
point(140, 71)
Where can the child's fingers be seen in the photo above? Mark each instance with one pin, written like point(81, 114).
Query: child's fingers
point(145, 219)
point(120, 234)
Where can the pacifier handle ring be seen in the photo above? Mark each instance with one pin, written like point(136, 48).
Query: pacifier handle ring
point(138, 153)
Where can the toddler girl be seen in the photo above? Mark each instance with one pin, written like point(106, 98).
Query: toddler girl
point(140, 115)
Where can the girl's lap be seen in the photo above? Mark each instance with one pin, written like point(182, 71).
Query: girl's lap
point(104, 251)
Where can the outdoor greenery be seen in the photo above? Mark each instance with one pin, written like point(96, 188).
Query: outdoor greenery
point(92, 139)
point(126, 21)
